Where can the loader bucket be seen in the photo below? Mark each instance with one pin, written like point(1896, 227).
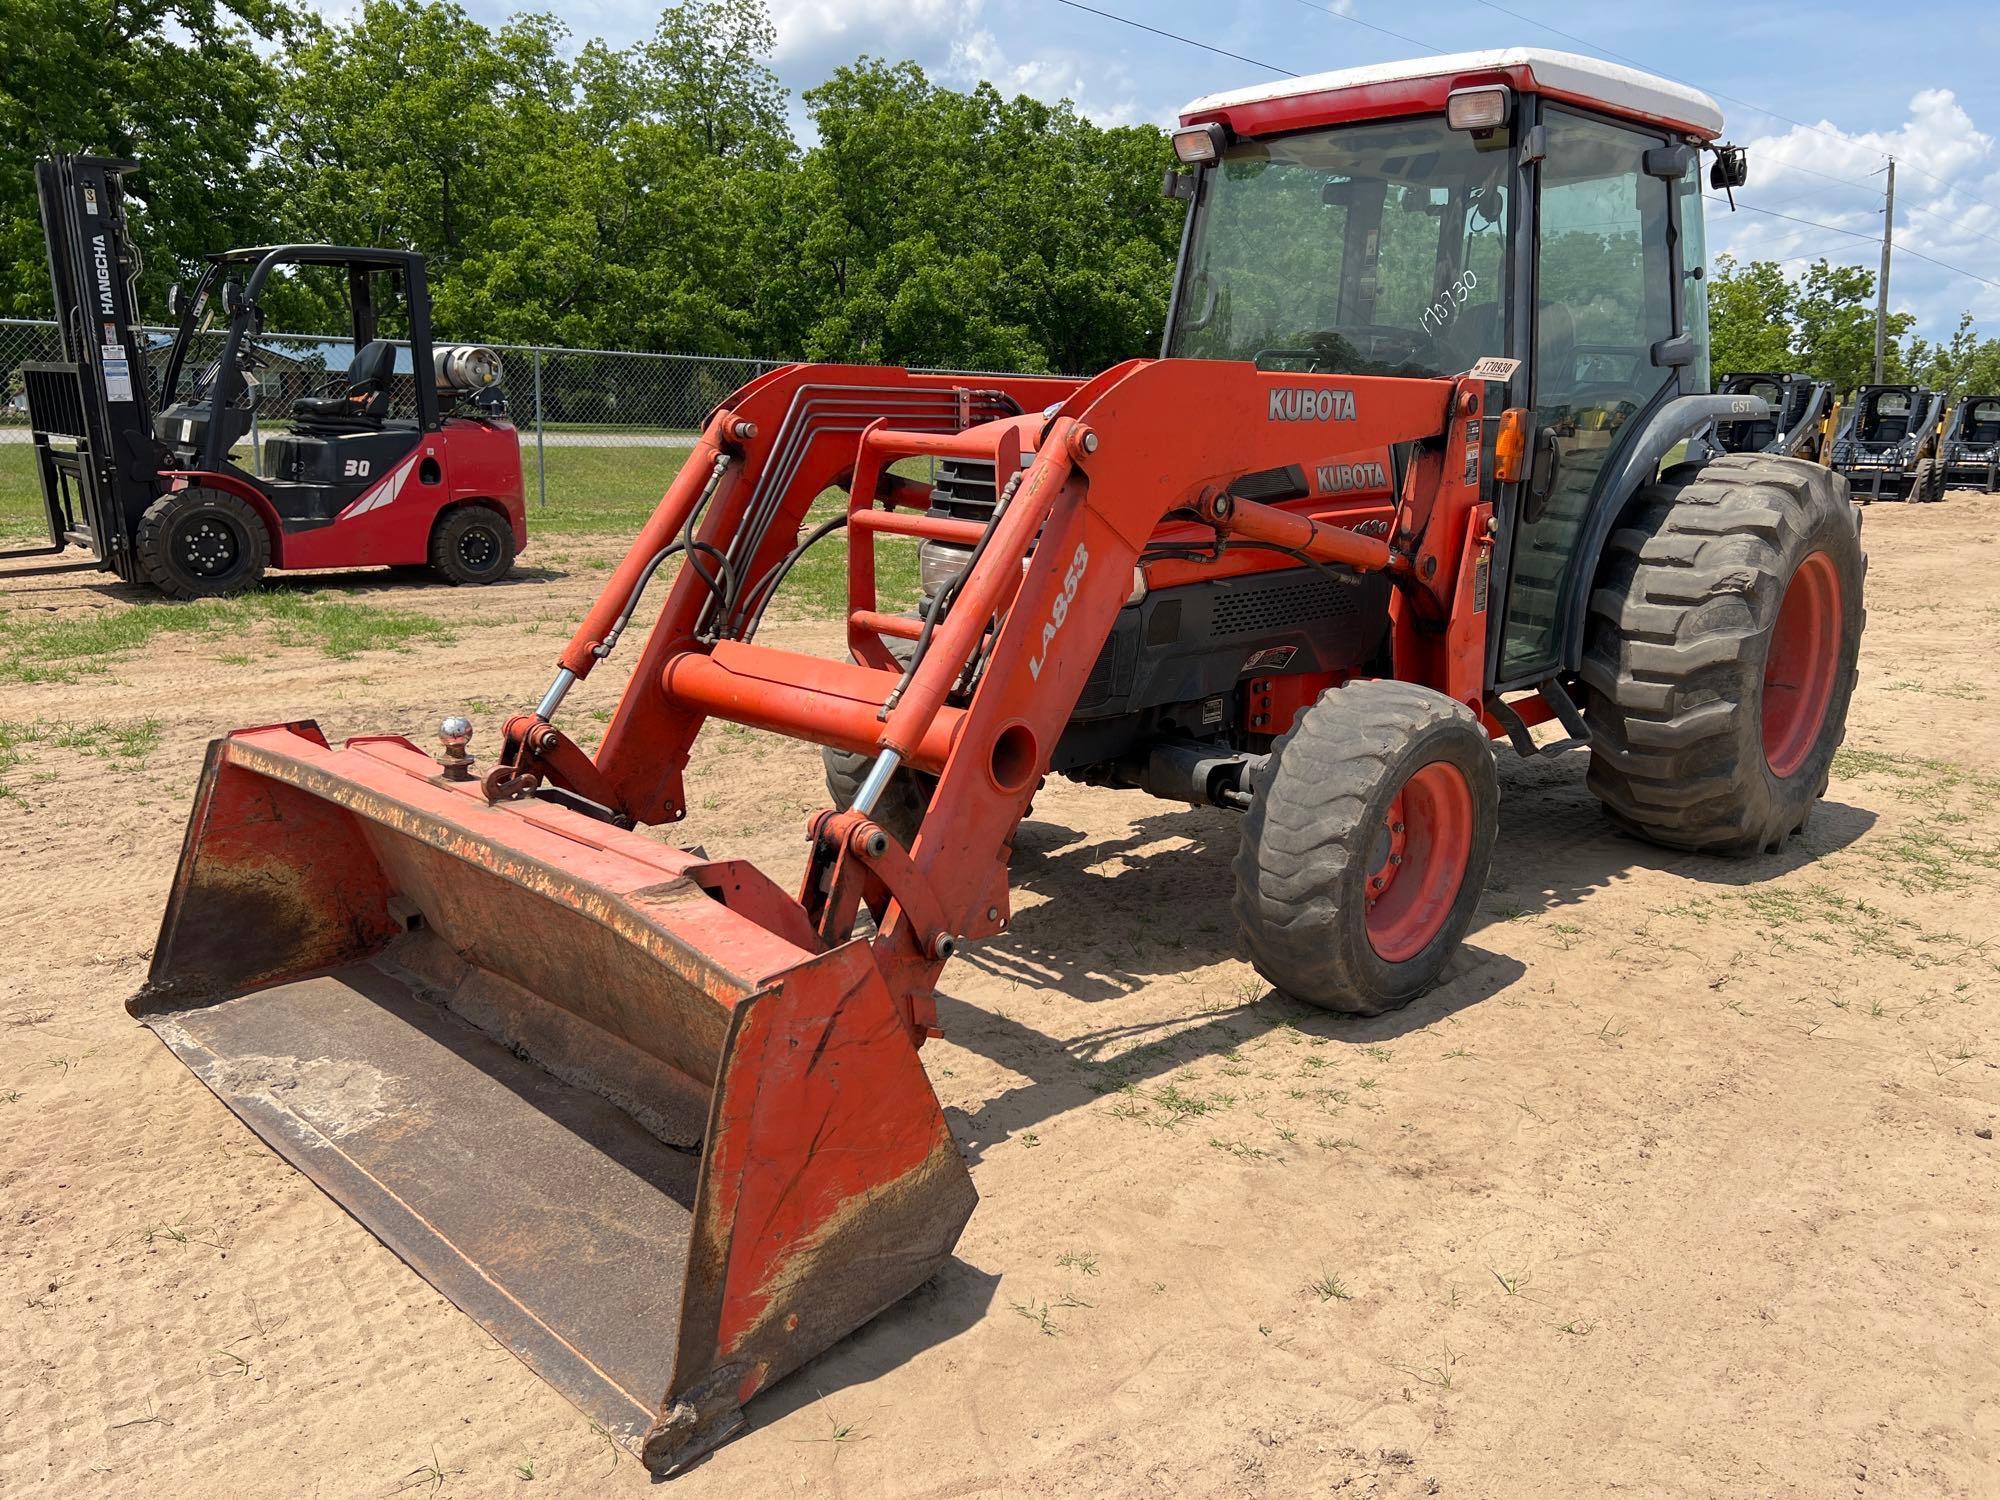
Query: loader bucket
point(615, 1100)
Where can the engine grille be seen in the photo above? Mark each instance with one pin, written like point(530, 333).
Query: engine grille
point(964, 490)
point(1256, 608)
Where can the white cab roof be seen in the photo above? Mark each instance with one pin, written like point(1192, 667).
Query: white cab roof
point(1619, 89)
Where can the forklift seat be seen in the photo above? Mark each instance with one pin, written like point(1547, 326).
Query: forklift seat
point(367, 400)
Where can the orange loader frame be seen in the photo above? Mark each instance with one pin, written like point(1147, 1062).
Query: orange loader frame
point(750, 1030)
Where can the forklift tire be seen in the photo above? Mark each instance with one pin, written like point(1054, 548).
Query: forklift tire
point(201, 543)
point(472, 544)
point(1366, 846)
point(904, 800)
point(1720, 653)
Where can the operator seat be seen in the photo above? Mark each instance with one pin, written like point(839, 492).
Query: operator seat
point(367, 400)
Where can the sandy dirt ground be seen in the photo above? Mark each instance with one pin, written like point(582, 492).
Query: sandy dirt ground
point(1682, 1185)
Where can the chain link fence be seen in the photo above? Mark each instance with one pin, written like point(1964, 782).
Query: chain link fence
point(557, 398)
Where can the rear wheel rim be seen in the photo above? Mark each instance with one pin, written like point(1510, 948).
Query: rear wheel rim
point(479, 548)
point(1803, 662)
point(1418, 862)
point(207, 546)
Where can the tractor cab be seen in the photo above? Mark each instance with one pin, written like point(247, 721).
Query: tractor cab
point(1532, 214)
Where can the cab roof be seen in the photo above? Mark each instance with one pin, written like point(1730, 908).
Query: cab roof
point(1419, 86)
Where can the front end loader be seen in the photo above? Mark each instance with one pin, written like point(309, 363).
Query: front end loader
point(660, 1123)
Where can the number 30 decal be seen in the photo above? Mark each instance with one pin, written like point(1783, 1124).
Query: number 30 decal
point(357, 468)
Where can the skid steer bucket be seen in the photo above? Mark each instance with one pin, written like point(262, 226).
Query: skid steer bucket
point(616, 1101)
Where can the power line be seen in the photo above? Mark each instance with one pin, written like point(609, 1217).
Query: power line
point(1341, 15)
point(1174, 36)
point(1873, 239)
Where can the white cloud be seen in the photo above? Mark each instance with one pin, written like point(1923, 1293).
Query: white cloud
point(827, 33)
point(947, 38)
point(1947, 189)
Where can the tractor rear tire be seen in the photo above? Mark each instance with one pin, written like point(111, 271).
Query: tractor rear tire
point(904, 800)
point(201, 543)
point(1940, 480)
point(1366, 846)
point(1720, 654)
point(472, 544)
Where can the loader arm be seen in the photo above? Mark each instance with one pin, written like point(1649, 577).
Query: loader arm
point(1121, 454)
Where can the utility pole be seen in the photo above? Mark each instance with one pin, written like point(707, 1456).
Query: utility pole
point(1882, 281)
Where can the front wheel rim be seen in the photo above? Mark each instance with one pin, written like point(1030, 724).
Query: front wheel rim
point(207, 546)
point(1802, 665)
point(1418, 862)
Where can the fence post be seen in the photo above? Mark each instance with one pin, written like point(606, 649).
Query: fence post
point(541, 456)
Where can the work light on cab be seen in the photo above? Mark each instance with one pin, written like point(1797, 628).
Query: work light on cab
point(1479, 109)
point(1198, 145)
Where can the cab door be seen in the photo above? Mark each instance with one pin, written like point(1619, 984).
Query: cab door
point(1605, 275)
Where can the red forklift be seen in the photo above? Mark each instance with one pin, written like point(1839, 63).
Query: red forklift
point(153, 477)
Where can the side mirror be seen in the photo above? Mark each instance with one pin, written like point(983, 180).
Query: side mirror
point(174, 300)
point(232, 296)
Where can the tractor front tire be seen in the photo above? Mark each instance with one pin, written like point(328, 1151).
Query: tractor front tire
point(904, 800)
point(201, 543)
point(472, 544)
point(1720, 654)
point(1366, 846)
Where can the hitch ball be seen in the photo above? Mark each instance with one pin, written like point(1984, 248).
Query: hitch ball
point(455, 733)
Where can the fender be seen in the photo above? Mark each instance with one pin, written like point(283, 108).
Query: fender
point(222, 479)
point(1681, 417)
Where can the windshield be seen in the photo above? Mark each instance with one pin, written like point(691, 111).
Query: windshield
point(1373, 249)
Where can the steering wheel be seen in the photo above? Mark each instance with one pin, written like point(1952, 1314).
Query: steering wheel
point(1347, 349)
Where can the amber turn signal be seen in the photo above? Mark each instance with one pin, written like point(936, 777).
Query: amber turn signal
point(1510, 447)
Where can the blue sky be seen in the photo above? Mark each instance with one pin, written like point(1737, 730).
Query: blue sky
point(1860, 79)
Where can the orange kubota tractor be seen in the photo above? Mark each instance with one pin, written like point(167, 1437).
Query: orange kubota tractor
point(1394, 492)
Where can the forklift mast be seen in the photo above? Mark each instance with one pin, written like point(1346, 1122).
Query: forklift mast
point(92, 412)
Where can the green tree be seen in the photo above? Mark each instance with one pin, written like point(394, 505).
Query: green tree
point(1835, 311)
point(933, 227)
point(180, 86)
point(1750, 313)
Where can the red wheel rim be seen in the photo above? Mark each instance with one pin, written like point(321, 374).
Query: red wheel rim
point(1805, 657)
point(1419, 861)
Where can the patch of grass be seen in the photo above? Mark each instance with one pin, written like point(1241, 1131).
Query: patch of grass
point(1326, 1286)
point(321, 620)
point(1181, 1105)
point(127, 744)
point(1241, 1150)
point(1076, 1260)
point(431, 1476)
point(22, 519)
point(1438, 1375)
point(612, 491)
